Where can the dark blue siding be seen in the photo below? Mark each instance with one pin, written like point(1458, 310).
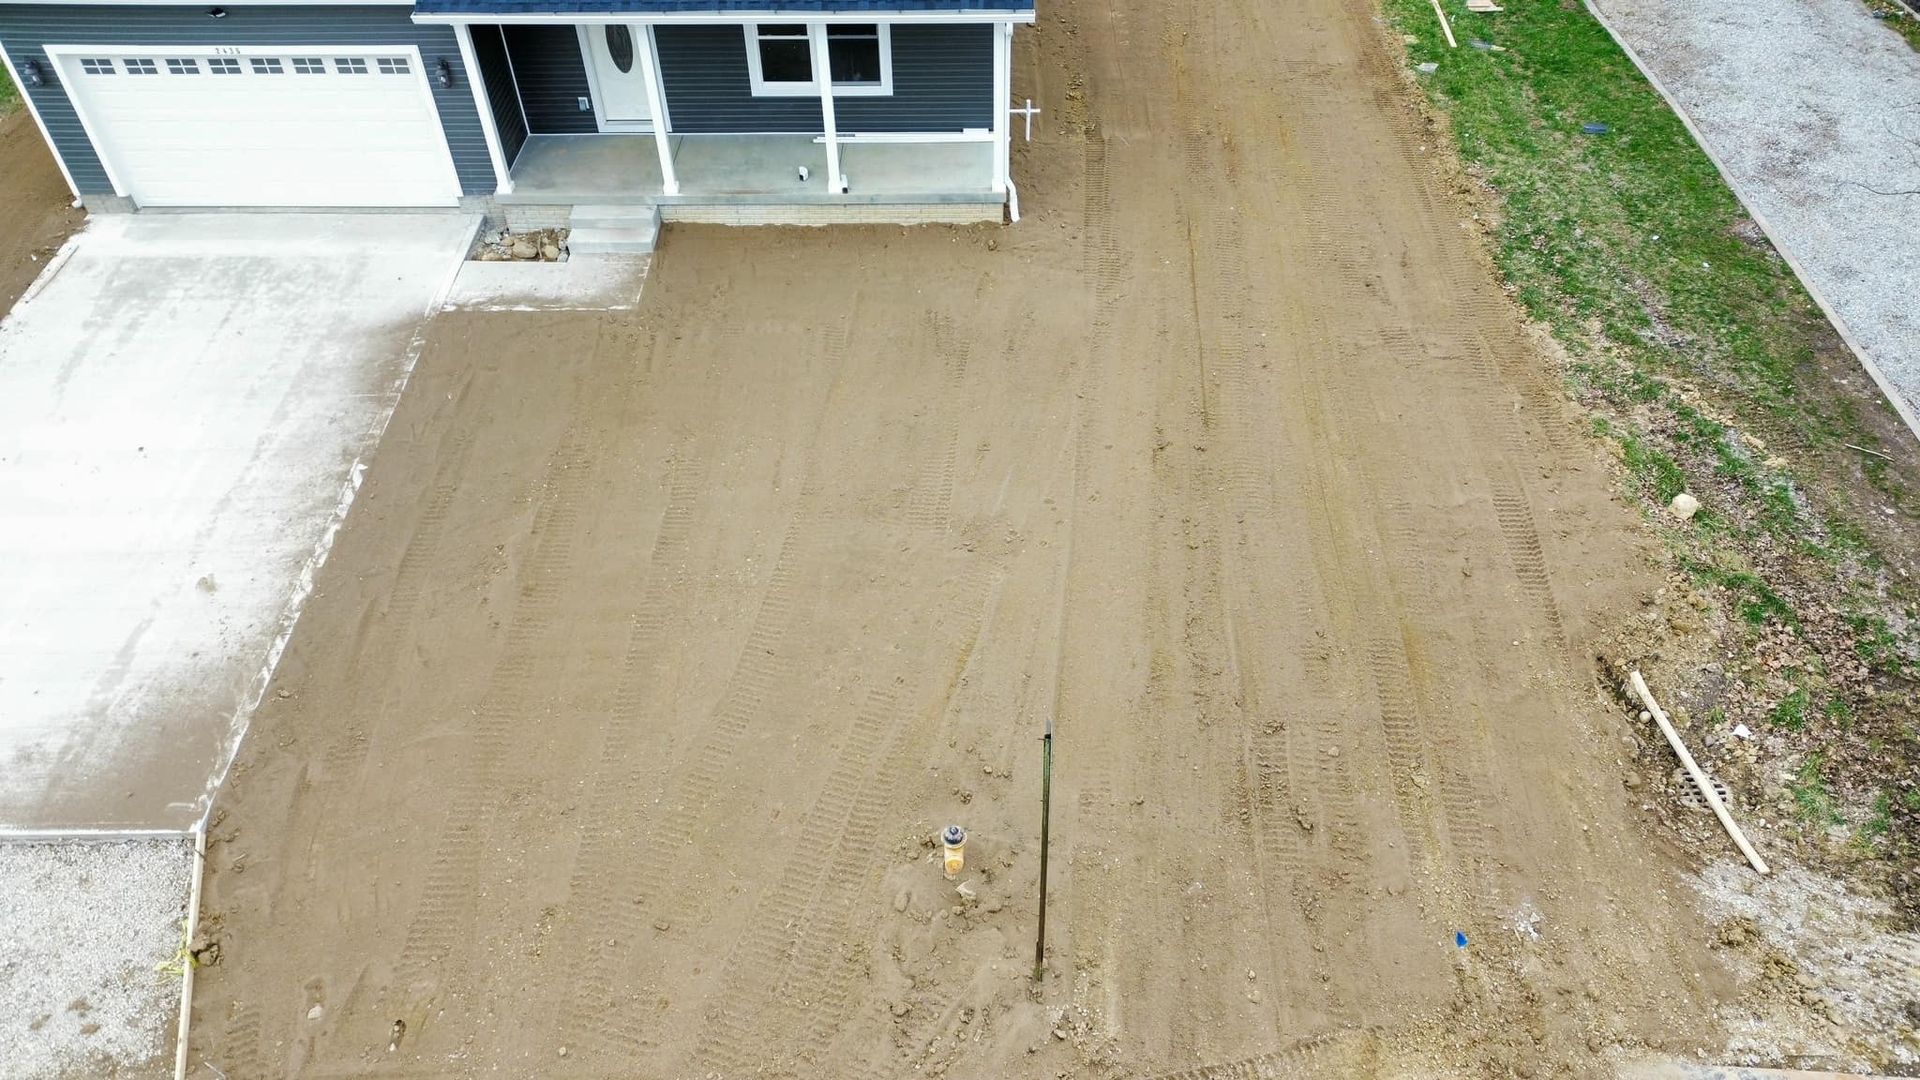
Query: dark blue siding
point(704, 72)
point(490, 52)
point(942, 81)
point(26, 30)
point(553, 78)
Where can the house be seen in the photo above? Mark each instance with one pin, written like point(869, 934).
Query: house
point(717, 110)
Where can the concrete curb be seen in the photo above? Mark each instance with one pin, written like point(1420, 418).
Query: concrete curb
point(1887, 389)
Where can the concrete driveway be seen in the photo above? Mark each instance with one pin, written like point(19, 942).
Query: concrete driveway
point(185, 404)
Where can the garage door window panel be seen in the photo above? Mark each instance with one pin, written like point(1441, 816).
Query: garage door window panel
point(223, 65)
point(140, 65)
point(268, 65)
point(183, 66)
point(98, 66)
point(309, 65)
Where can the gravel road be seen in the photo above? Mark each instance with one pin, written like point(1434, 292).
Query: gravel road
point(1814, 108)
point(84, 929)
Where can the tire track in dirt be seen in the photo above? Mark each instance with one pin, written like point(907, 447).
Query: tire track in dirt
point(395, 621)
point(930, 505)
point(1372, 605)
point(791, 984)
point(1507, 372)
point(761, 668)
point(1240, 498)
point(246, 1042)
point(614, 1026)
point(453, 868)
point(602, 882)
point(1339, 1054)
point(1090, 871)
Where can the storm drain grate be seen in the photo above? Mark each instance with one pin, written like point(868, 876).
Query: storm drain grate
point(1690, 795)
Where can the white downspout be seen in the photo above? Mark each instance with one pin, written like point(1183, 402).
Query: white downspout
point(656, 104)
point(823, 73)
point(489, 127)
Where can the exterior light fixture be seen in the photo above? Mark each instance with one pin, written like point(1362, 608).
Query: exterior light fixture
point(31, 75)
point(443, 74)
point(216, 13)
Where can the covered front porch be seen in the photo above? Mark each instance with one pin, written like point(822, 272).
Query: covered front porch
point(692, 109)
point(613, 168)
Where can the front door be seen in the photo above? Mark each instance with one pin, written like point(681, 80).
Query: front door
point(620, 85)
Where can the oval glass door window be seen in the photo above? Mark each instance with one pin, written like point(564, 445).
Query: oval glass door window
point(620, 47)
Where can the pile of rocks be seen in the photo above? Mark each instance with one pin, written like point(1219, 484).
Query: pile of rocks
point(536, 245)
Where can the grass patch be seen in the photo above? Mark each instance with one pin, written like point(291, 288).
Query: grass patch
point(9, 93)
point(1898, 19)
point(1812, 801)
point(1704, 367)
point(1791, 713)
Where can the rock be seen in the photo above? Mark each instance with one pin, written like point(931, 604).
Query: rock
point(491, 255)
point(900, 900)
point(550, 253)
point(524, 249)
point(1684, 506)
point(1060, 1033)
point(316, 1013)
point(901, 1008)
point(563, 1051)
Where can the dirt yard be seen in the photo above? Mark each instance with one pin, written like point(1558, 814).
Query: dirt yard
point(660, 644)
point(34, 203)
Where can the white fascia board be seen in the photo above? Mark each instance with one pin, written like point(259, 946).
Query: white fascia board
point(709, 18)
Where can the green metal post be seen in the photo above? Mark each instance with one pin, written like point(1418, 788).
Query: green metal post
point(1046, 817)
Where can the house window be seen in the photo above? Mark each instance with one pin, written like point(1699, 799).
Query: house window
point(267, 65)
point(853, 52)
point(97, 67)
point(308, 65)
point(180, 66)
point(223, 65)
point(780, 59)
point(393, 65)
point(141, 65)
point(347, 65)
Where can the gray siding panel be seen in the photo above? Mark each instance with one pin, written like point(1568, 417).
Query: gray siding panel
point(942, 81)
point(704, 71)
point(26, 30)
point(490, 52)
point(553, 78)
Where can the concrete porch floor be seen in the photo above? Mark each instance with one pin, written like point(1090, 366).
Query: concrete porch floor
point(626, 167)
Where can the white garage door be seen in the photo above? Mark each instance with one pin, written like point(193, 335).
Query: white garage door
point(253, 127)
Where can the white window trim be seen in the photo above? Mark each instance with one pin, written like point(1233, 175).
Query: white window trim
point(811, 88)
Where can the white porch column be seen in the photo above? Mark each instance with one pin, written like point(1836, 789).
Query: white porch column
point(823, 73)
point(1002, 105)
point(489, 129)
point(656, 105)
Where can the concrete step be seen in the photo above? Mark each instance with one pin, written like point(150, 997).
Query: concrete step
point(601, 240)
point(614, 216)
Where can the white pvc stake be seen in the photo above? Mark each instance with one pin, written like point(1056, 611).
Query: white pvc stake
point(1700, 779)
point(186, 955)
point(1445, 27)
